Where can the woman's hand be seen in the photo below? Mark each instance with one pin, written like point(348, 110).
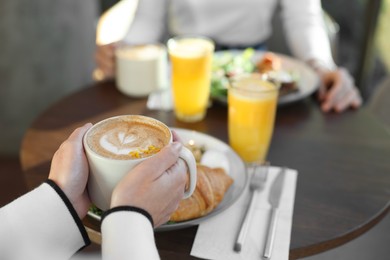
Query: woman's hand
point(338, 91)
point(156, 185)
point(105, 61)
point(69, 170)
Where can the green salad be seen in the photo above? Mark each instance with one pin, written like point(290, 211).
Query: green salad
point(226, 65)
point(231, 63)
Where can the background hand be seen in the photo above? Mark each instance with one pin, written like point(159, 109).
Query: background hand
point(69, 170)
point(338, 91)
point(155, 185)
point(105, 61)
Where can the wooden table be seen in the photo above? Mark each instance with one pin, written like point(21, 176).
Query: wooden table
point(343, 162)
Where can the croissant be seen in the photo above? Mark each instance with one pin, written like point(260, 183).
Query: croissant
point(211, 186)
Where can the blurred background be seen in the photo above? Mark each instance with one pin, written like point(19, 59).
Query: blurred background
point(47, 47)
point(47, 52)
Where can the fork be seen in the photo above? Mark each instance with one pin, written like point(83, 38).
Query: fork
point(256, 185)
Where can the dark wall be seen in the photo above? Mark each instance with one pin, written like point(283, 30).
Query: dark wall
point(46, 52)
point(351, 15)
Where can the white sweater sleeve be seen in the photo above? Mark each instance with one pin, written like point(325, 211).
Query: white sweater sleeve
point(304, 25)
point(127, 235)
point(41, 224)
point(149, 24)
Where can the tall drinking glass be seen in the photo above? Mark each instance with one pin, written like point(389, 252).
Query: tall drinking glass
point(252, 101)
point(191, 59)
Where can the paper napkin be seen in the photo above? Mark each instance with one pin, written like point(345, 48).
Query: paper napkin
point(160, 100)
point(216, 236)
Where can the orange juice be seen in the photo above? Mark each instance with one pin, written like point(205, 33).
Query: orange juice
point(191, 60)
point(252, 107)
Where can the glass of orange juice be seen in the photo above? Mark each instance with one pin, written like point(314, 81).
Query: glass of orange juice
point(191, 59)
point(252, 101)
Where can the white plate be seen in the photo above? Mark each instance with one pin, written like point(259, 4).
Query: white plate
point(308, 79)
point(236, 170)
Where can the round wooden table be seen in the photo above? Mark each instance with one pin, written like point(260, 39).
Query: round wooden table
point(342, 160)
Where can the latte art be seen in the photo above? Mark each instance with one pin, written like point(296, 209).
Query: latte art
point(120, 143)
point(121, 139)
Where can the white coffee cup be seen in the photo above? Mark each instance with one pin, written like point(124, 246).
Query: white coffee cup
point(141, 69)
point(107, 168)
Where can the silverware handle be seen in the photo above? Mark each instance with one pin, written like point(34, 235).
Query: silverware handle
point(271, 234)
point(245, 224)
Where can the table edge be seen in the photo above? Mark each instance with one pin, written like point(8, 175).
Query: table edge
point(321, 247)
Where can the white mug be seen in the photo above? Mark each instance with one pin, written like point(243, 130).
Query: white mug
point(141, 69)
point(105, 172)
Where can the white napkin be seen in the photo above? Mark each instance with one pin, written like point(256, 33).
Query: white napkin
point(216, 236)
point(160, 100)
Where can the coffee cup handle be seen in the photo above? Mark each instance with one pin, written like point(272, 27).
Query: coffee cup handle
point(188, 157)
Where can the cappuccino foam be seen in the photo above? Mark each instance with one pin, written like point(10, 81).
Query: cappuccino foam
point(142, 52)
point(123, 139)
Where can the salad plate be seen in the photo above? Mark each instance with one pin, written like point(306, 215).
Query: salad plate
point(233, 62)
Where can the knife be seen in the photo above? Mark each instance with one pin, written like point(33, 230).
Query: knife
point(274, 200)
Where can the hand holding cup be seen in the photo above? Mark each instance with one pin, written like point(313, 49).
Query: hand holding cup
point(117, 145)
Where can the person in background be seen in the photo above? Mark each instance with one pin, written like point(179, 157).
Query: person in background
point(239, 24)
point(45, 223)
